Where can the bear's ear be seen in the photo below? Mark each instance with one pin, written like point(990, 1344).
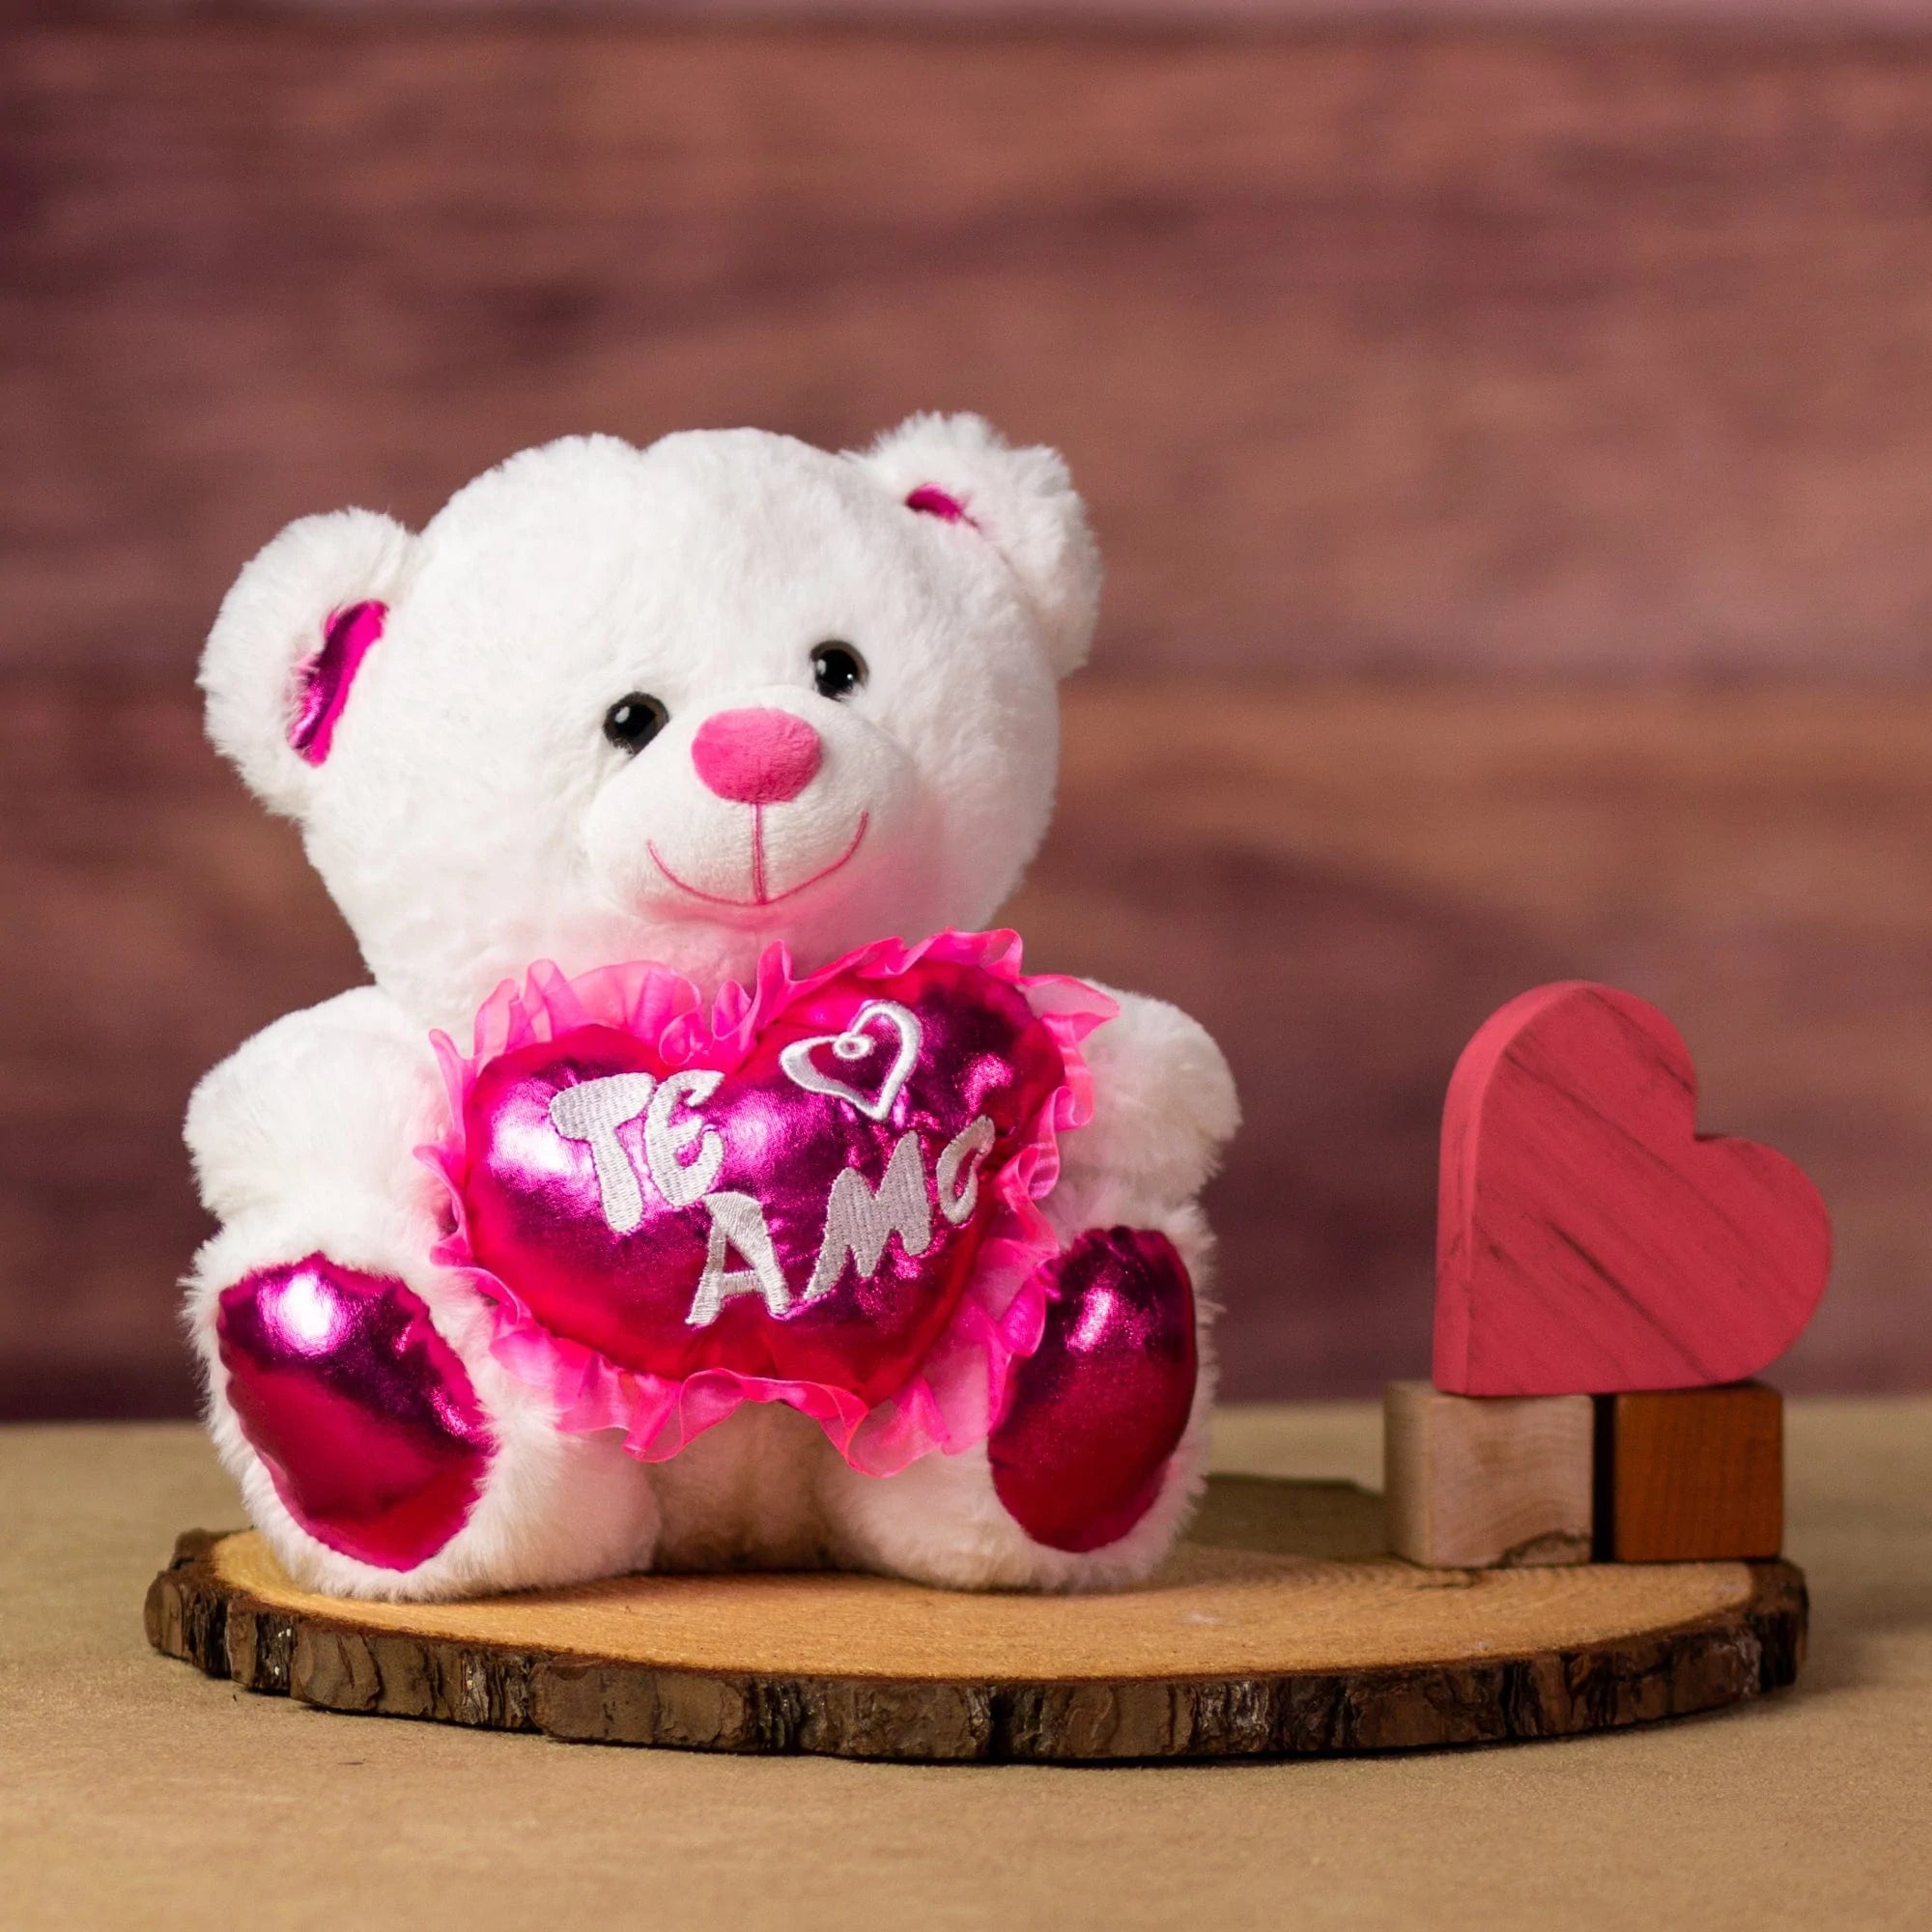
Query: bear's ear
point(290, 638)
point(1020, 501)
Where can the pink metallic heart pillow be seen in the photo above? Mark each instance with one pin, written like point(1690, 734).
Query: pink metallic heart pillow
point(822, 1192)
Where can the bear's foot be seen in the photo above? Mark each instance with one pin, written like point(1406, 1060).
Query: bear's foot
point(1101, 1407)
point(363, 1415)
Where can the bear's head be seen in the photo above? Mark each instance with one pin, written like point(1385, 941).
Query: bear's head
point(669, 703)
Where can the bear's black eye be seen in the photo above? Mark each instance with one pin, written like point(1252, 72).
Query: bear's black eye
point(633, 722)
point(837, 670)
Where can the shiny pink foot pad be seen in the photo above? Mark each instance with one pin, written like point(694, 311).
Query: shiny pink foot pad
point(1101, 1407)
point(364, 1415)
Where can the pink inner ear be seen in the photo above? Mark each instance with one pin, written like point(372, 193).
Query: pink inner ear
point(323, 681)
point(930, 500)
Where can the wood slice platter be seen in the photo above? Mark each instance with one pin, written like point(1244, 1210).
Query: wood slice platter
point(1279, 1626)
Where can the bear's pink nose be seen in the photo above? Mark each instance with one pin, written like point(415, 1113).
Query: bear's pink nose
point(756, 757)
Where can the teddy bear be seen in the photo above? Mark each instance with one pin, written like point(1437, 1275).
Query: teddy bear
point(698, 1183)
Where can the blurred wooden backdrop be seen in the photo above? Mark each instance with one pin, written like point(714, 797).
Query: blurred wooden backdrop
point(1513, 448)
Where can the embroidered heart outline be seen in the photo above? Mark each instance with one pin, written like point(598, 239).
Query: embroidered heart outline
point(853, 1044)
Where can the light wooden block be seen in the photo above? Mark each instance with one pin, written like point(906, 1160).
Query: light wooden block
point(1691, 1475)
point(1483, 1482)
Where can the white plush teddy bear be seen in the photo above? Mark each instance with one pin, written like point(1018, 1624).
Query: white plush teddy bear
point(695, 1185)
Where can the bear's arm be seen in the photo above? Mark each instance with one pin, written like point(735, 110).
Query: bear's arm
point(324, 1103)
point(1164, 1106)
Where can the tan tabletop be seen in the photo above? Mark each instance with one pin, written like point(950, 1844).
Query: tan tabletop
point(135, 1792)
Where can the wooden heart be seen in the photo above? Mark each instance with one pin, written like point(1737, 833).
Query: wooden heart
point(1589, 1239)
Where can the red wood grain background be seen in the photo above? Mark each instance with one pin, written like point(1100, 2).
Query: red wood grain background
point(1512, 448)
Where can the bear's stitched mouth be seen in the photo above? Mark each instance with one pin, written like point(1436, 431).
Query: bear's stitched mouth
point(760, 897)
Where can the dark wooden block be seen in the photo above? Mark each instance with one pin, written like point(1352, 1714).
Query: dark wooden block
point(1685, 1475)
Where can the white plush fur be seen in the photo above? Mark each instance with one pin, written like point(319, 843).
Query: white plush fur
point(471, 818)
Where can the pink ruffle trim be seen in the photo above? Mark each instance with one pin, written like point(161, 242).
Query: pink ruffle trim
point(953, 1400)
